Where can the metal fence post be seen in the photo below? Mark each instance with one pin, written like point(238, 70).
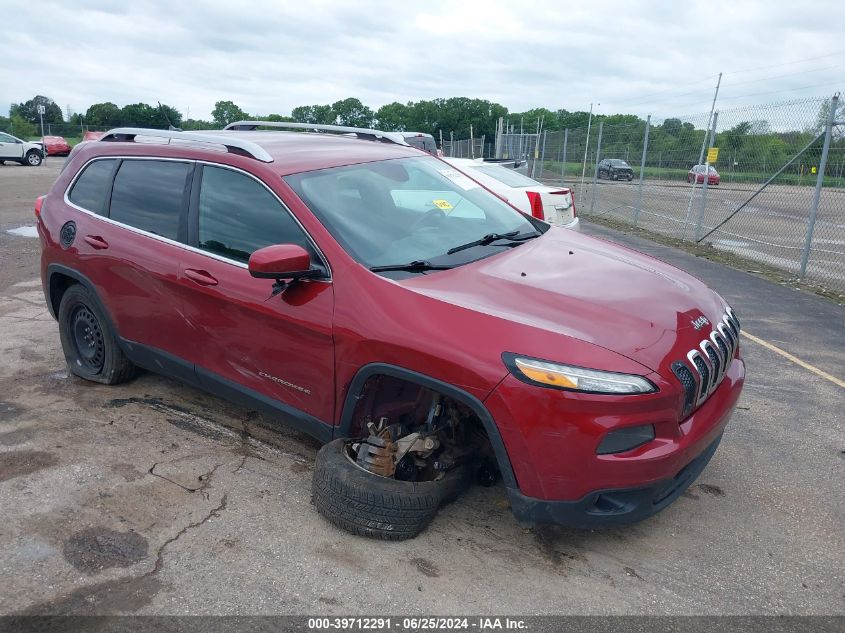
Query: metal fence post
point(563, 162)
point(596, 172)
point(543, 153)
point(814, 206)
point(642, 172)
point(706, 178)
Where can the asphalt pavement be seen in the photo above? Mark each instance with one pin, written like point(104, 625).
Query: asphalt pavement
point(154, 498)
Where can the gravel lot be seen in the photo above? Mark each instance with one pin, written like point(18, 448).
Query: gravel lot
point(152, 497)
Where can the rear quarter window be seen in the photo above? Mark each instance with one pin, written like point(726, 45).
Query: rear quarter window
point(91, 189)
point(151, 195)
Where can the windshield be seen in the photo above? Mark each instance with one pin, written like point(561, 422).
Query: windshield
point(506, 176)
point(618, 163)
point(407, 209)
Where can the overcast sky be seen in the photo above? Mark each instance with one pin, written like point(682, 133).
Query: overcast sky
point(635, 56)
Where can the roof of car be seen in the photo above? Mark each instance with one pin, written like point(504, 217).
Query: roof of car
point(292, 152)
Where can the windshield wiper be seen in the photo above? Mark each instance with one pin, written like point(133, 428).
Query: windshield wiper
point(417, 265)
point(513, 236)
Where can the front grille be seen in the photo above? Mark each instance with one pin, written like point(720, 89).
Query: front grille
point(729, 335)
point(689, 382)
point(704, 374)
point(714, 362)
point(724, 349)
point(705, 366)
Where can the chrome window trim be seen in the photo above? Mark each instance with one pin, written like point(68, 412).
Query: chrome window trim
point(182, 245)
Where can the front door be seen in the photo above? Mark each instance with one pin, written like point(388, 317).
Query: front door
point(277, 348)
point(10, 147)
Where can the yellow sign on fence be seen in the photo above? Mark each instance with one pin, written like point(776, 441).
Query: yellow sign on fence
point(712, 154)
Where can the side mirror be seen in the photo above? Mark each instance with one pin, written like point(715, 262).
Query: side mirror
point(281, 261)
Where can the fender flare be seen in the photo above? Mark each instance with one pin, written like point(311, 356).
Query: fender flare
point(467, 399)
point(59, 269)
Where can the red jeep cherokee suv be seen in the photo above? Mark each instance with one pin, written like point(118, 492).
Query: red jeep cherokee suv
point(376, 298)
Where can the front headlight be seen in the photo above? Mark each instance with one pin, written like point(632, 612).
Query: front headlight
point(546, 374)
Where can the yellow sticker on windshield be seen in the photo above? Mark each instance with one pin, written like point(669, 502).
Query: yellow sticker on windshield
point(443, 204)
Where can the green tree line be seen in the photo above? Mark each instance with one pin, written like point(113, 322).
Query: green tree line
point(677, 140)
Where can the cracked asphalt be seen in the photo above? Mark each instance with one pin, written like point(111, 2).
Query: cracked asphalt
point(154, 498)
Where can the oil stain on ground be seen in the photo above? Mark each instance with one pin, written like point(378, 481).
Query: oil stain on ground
point(8, 410)
point(426, 567)
point(18, 463)
point(115, 596)
point(19, 436)
point(95, 549)
point(711, 490)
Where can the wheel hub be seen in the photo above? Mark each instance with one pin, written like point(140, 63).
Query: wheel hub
point(88, 338)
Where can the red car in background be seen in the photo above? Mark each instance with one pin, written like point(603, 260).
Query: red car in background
point(56, 146)
point(697, 172)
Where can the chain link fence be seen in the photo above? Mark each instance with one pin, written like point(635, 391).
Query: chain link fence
point(466, 148)
point(772, 194)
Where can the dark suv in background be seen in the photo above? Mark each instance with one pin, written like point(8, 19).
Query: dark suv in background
point(615, 169)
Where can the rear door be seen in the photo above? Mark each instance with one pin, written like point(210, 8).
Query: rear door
point(278, 349)
point(129, 245)
point(10, 147)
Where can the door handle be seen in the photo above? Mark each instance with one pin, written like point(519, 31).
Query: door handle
point(96, 241)
point(201, 277)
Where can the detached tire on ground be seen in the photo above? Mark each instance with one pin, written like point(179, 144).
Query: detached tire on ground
point(360, 502)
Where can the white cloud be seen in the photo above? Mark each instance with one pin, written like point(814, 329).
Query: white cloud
point(269, 57)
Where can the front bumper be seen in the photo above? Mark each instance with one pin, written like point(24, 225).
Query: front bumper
point(551, 439)
point(609, 508)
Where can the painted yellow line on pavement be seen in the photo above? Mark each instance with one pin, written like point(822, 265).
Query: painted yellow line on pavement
point(797, 361)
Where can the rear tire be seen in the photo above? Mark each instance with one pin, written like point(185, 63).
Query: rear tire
point(90, 346)
point(368, 505)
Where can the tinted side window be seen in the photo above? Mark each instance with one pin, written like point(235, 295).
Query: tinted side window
point(238, 215)
point(91, 189)
point(149, 195)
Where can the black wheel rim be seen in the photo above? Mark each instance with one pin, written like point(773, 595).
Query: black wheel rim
point(87, 338)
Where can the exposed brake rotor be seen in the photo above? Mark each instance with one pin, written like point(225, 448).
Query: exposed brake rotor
point(376, 454)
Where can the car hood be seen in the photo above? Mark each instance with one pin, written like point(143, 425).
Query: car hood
point(582, 287)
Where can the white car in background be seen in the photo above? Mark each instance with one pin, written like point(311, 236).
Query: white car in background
point(14, 149)
point(555, 205)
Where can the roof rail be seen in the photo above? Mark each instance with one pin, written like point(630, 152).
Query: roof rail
point(232, 145)
point(360, 132)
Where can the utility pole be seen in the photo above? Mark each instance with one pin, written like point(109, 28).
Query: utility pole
point(41, 111)
point(584, 164)
point(814, 205)
point(701, 155)
point(706, 179)
point(642, 172)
